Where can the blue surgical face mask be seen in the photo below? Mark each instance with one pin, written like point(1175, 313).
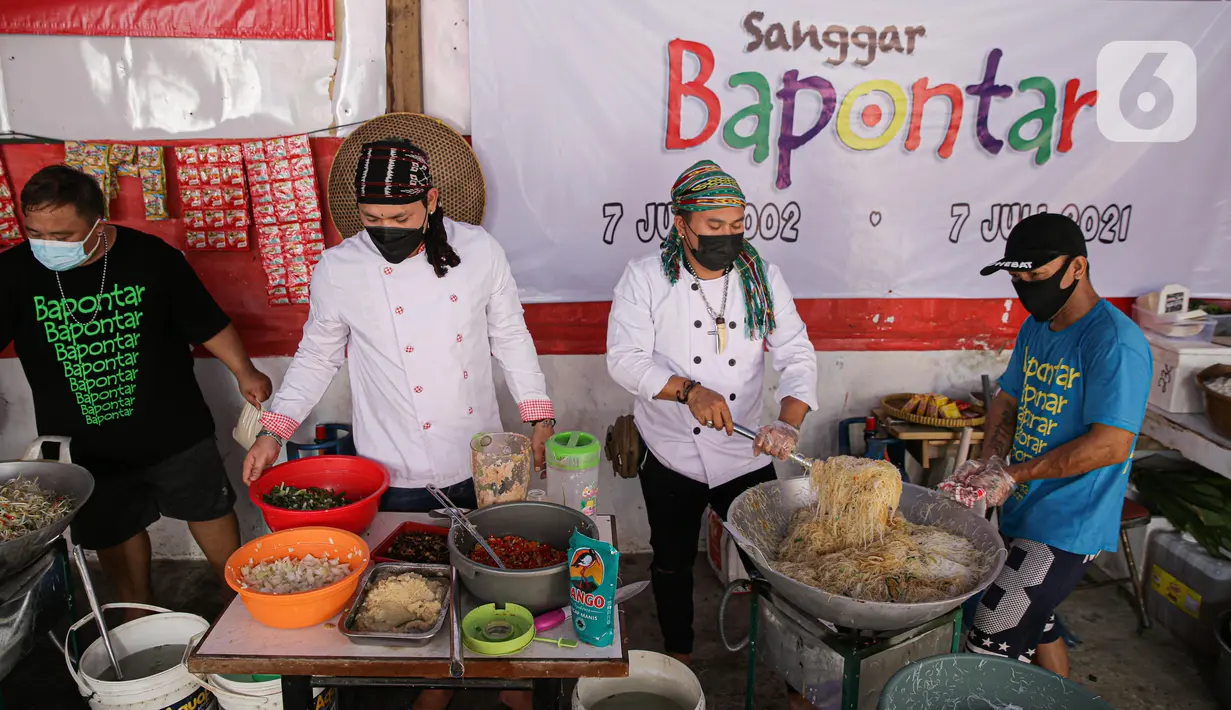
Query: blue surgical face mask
point(62, 256)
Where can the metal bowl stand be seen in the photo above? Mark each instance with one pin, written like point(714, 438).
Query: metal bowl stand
point(853, 646)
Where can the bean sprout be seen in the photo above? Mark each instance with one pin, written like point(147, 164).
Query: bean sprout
point(25, 508)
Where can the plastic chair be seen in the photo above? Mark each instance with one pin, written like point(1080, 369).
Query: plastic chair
point(891, 450)
point(1132, 515)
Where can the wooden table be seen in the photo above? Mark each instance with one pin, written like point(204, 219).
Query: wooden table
point(321, 656)
point(929, 440)
point(1192, 436)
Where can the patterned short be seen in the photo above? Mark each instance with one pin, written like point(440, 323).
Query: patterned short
point(1016, 613)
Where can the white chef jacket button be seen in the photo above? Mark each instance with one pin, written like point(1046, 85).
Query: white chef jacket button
point(470, 410)
point(731, 325)
point(697, 360)
point(696, 324)
point(696, 287)
point(732, 396)
point(388, 271)
point(419, 390)
point(427, 425)
point(731, 362)
point(453, 299)
point(465, 375)
point(410, 348)
point(459, 337)
point(696, 431)
point(398, 310)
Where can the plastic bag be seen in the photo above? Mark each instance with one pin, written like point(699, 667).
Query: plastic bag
point(593, 570)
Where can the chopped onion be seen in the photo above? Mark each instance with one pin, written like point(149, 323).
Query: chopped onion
point(290, 575)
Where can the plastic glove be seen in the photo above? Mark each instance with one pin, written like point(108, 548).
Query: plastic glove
point(976, 481)
point(778, 440)
point(966, 471)
point(996, 485)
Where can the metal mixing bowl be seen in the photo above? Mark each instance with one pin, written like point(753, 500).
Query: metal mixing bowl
point(538, 590)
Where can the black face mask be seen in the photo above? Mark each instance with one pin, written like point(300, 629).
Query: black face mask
point(1044, 299)
point(398, 243)
point(718, 252)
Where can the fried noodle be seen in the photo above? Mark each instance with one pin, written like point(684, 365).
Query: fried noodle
point(854, 543)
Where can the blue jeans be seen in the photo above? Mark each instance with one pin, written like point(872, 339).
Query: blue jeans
point(418, 500)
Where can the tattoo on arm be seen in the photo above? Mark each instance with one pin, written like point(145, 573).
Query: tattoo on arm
point(1001, 428)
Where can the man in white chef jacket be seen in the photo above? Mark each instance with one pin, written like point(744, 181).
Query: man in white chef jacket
point(418, 304)
point(686, 335)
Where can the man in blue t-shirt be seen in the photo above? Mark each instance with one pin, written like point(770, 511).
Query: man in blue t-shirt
point(1059, 440)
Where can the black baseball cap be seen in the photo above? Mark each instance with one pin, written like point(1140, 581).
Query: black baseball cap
point(1038, 239)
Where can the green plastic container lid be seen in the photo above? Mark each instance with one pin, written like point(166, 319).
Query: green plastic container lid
point(573, 451)
point(498, 632)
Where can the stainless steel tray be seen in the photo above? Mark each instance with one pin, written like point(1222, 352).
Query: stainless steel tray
point(374, 574)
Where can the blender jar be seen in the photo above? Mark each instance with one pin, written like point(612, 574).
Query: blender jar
point(501, 465)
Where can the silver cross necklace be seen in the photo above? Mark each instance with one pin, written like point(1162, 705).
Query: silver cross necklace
point(720, 318)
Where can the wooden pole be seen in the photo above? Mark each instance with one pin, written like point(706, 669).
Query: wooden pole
point(403, 56)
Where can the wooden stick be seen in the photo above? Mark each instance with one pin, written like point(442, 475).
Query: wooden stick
point(403, 56)
point(963, 448)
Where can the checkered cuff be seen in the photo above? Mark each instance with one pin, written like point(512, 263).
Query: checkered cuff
point(532, 410)
point(282, 426)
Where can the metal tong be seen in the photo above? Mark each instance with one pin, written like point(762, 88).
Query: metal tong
point(456, 667)
point(459, 518)
point(795, 456)
point(79, 558)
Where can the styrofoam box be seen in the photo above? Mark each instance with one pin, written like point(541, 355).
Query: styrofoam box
point(722, 550)
point(1173, 386)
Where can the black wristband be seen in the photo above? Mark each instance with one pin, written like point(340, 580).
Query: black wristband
point(686, 391)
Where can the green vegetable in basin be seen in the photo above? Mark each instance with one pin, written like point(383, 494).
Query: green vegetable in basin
point(312, 498)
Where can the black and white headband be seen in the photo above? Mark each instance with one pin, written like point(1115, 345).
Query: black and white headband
point(391, 172)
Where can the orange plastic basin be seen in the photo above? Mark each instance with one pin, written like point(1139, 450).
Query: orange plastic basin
point(301, 609)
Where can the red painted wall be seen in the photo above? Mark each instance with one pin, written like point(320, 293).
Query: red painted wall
point(237, 283)
point(219, 19)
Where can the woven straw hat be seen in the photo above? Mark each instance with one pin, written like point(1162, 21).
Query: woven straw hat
point(455, 169)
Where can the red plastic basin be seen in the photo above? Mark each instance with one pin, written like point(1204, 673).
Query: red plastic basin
point(362, 480)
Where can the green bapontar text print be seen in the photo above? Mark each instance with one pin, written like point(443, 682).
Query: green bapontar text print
point(100, 355)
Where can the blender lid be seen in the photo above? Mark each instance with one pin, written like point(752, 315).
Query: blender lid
point(573, 450)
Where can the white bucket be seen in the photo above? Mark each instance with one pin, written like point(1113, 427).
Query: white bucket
point(647, 673)
point(173, 688)
point(266, 694)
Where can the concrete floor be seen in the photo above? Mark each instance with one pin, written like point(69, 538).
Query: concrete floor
point(1131, 671)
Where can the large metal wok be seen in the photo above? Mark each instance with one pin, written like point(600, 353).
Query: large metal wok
point(63, 477)
point(758, 521)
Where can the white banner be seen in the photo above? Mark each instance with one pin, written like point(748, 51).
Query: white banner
point(151, 88)
point(886, 149)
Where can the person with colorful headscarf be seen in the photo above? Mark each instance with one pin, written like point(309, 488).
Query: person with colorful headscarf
point(687, 336)
point(417, 304)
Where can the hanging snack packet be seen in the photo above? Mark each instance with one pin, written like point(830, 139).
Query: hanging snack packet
point(593, 570)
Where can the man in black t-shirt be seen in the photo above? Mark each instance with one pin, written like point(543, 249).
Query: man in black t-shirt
point(103, 318)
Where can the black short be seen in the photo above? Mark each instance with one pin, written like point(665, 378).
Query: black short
point(191, 485)
point(1016, 613)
